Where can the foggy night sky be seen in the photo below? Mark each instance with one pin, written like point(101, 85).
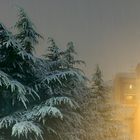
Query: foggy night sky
point(106, 32)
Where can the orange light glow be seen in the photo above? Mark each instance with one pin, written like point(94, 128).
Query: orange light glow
point(130, 97)
point(130, 86)
point(137, 124)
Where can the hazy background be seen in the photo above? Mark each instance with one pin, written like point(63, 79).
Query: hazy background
point(106, 32)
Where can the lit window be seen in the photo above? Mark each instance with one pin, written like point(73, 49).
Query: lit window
point(129, 97)
point(130, 86)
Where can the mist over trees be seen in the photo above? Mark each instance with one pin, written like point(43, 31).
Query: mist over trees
point(47, 98)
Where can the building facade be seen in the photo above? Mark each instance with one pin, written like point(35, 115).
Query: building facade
point(127, 87)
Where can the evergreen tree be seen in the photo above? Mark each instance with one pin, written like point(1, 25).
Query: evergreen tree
point(98, 85)
point(30, 91)
point(13, 57)
point(69, 56)
point(14, 93)
point(72, 88)
point(27, 35)
point(53, 52)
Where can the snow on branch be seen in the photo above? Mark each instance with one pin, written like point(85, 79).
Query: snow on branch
point(61, 100)
point(8, 121)
point(26, 127)
point(17, 88)
point(43, 111)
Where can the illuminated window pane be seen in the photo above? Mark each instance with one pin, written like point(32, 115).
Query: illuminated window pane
point(129, 97)
point(130, 86)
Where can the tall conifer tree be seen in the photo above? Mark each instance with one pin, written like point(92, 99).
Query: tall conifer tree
point(30, 89)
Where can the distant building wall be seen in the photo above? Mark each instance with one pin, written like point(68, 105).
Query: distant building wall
point(125, 90)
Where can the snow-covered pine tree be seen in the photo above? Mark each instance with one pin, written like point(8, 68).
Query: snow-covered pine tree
point(27, 34)
point(58, 64)
point(69, 56)
point(14, 92)
point(71, 88)
point(53, 52)
point(98, 85)
point(30, 91)
point(13, 57)
point(97, 109)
